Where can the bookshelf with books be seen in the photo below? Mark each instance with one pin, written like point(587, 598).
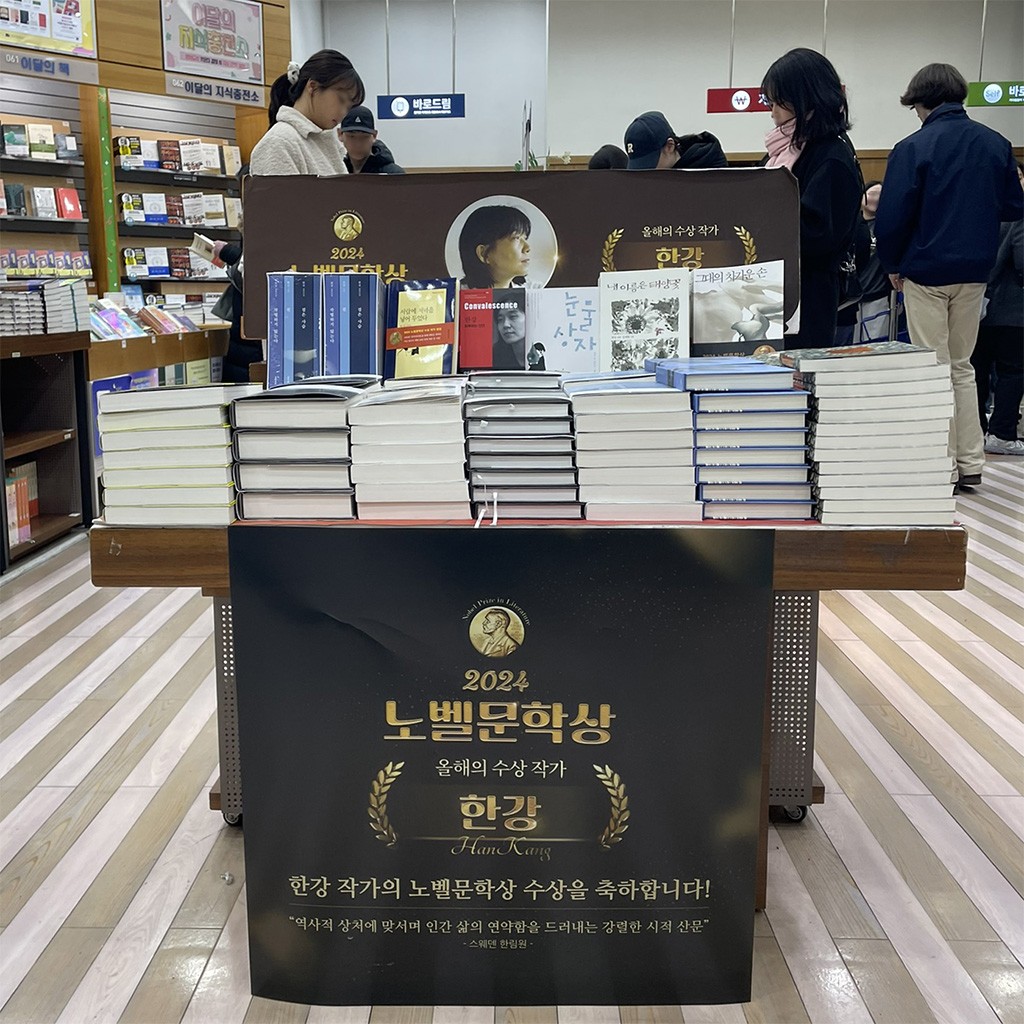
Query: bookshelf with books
point(42, 413)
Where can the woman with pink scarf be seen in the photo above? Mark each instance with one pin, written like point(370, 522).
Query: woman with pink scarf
point(811, 119)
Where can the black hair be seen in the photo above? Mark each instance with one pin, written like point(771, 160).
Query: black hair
point(326, 68)
point(485, 226)
point(608, 158)
point(806, 82)
point(934, 85)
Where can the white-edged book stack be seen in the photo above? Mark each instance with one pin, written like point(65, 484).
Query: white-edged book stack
point(291, 449)
point(634, 448)
point(167, 455)
point(879, 434)
point(519, 446)
point(750, 437)
point(409, 452)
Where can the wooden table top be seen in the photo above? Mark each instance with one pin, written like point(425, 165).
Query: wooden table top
point(807, 556)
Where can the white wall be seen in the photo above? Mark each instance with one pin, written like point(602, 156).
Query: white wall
point(307, 28)
point(609, 60)
point(612, 59)
point(499, 63)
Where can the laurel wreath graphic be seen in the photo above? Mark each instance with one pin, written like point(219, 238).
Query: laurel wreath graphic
point(608, 250)
point(620, 807)
point(379, 821)
point(749, 245)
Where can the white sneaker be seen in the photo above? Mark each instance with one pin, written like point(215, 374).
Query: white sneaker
point(997, 446)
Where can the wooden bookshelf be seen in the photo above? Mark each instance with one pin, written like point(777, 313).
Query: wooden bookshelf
point(134, 355)
point(46, 225)
point(46, 528)
point(16, 445)
point(16, 346)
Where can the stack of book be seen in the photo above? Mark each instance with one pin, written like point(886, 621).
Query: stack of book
point(520, 449)
point(879, 434)
point(22, 308)
point(750, 437)
point(634, 448)
point(167, 455)
point(108, 322)
point(292, 451)
point(408, 452)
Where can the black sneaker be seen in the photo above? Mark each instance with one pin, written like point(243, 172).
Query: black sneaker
point(969, 479)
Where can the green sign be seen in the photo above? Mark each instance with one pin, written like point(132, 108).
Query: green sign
point(995, 94)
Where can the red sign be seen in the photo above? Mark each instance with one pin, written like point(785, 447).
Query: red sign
point(737, 101)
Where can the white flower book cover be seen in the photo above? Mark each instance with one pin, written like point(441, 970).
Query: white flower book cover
point(644, 314)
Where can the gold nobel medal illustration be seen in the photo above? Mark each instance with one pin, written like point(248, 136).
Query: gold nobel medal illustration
point(496, 631)
point(348, 226)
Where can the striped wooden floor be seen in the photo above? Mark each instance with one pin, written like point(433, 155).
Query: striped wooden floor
point(898, 901)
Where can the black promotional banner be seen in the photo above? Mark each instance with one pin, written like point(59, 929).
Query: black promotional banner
point(501, 766)
point(579, 224)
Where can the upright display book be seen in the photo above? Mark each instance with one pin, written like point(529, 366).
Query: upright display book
point(193, 208)
point(41, 143)
point(14, 195)
point(67, 146)
point(213, 210)
point(737, 309)
point(353, 323)
point(15, 141)
point(154, 207)
point(191, 152)
point(232, 160)
point(128, 149)
point(294, 327)
point(170, 154)
point(492, 330)
point(175, 210)
point(562, 325)
point(644, 314)
point(44, 202)
point(68, 203)
point(419, 337)
point(211, 157)
point(150, 154)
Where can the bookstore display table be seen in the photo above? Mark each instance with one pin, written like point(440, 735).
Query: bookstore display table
point(807, 559)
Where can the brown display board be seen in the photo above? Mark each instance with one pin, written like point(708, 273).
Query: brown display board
point(580, 224)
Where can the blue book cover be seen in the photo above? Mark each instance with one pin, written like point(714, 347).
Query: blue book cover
point(332, 336)
point(288, 330)
point(358, 318)
point(306, 329)
point(419, 336)
point(275, 330)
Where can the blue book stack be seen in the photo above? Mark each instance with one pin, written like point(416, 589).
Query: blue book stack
point(294, 327)
point(353, 310)
point(750, 437)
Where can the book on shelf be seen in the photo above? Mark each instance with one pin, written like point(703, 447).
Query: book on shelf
point(737, 309)
point(877, 517)
point(171, 458)
point(660, 493)
point(634, 475)
point(232, 160)
point(758, 438)
point(11, 496)
point(142, 515)
point(29, 472)
point(419, 334)
point(16, 141)
point(198, 371)
point(511, 462)
point(292, 407)
point(879, 355)
point(67, 146)
point(175, 209)
point(755, 492)
point(69, 204)
point(43, 202)
point(450, 490)
point(154, 419)
point(531, 495)
point(21, 506)
point(910, 380)
point(552, 444)
point(3, 199)
point(128, 150)
point(500, 479)
point(169, 476)
point(213, 210)
point(158, 261)
point(41, 143)
point(757, 401)
point(613, 458)
point(610, 440)
point(300, 445)
point(132, 207)
point(182, 437)
point(492, 330)
point(233, 211)
point(562, 325)
point(211, 157)
point(180, 260)
point(320, 504)
point(169, 154)
point(795, 455)
point(401, 455)
point(630, 395)
point(14, 194)
point(746, 475)
point(758, 510)
point(292, 476)
point(191, 153)
point(44, 262)
point(707, 374)
point(134, 258)
point(398, 511)
point(150, 154)
point(215, 395)
point(603, 422)
point(510, 380)
point(170, 496)
point(758, 420)
point(512, 405)
point(154, 207)
point(643, 314)
point(903, 470)
point(193, 208)
point(868, 399)
point(904, 491)
point(644, 512)
point(879, 421)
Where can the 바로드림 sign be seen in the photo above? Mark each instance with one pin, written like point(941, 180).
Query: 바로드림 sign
point(214, 39)
point(420, 106)
point(500, 766)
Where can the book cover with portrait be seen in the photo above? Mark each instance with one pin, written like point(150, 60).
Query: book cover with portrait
point(492, 329)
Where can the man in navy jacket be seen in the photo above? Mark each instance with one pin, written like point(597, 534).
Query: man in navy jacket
point(947, 188)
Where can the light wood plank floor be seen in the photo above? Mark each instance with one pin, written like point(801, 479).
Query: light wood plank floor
point(899, 901)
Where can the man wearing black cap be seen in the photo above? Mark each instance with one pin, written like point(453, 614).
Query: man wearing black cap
point(366, 154)
point(651, 144)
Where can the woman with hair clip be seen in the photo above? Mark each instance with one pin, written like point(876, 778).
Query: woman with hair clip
point(307, 104)
point(494, 248)
point(811, 119)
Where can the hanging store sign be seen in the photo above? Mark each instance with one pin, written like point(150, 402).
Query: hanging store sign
point(415, 107)
point(56, 69)
point(995, 94)
point(204, 89)
point(737, 101)
point(219, 39)
point(58, 26)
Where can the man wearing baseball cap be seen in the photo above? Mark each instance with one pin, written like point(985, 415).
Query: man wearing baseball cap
point(366, 154)
point(651, 144)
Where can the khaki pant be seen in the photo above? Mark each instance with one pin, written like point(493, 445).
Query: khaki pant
point(945, 318)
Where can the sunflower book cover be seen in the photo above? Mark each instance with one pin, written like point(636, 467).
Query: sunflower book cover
point(644, 314)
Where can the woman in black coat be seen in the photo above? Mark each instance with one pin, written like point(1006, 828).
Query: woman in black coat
point(811, 119)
